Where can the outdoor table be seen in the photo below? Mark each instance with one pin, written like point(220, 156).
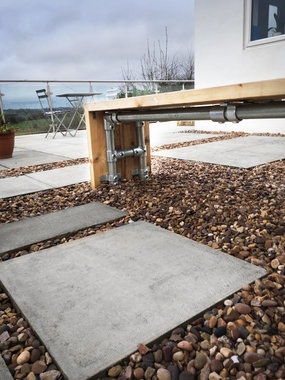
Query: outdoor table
point(115, 149)
point(76, 102)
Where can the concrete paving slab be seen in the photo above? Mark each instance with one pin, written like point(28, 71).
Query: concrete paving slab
point(242, 152)
point(63, 176)
point(24, 157)
point(38, 181)
point(28, 231)
point(13, 186)
point(170, 133)
point(67, 146)
point(4, 371)
point(91, 301)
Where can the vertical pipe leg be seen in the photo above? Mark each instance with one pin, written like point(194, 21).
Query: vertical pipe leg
point(143, 170)
point(111, 158)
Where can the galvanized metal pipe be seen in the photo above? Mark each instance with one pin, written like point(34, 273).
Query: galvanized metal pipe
point(196, 113)
point(135, 152)
point(261, 111)
point(112, 176)
point(225, 112)
point(143, 170)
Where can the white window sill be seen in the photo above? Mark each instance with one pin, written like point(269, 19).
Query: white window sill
point(265, 41)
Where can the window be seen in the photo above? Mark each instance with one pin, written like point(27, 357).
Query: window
point(267, 19)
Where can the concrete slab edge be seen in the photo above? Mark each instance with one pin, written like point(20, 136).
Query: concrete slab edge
point(49, 187)
point(102, 373)
point(65, 234)
point(168, 333)
point(213, 163)
point(4, 371)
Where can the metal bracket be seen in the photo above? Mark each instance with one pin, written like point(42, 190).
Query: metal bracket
point(225, 112)
point(111, 157)
point(142, 173)
point(113, 179)
point(112, 118)
point(230, 113)
point(108, 126)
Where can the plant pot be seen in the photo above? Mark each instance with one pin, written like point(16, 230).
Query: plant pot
point(7, 144)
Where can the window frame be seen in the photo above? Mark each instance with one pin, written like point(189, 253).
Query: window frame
point(247, 29)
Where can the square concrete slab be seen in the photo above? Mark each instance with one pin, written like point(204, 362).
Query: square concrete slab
point(170, 133)
point(242, 152)
point(28, 231)
point(91, 301)
point(13, 186)
point(63, 176)
point(24, 157)
point(67, 146)
point(38, 181)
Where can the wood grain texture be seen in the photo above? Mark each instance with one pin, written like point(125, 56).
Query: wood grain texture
point(96, 146)
point(272, 89)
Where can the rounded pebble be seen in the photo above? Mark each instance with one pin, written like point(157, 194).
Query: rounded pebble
point(163, 374)
point(24, 357)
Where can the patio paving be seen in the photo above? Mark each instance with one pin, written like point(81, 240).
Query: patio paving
point(91, 301)
point(170, 133)
point(24, 157)
point(18, 235)
point(4, 372)
point(36, 149)
point(242, 152)
point(38, 181)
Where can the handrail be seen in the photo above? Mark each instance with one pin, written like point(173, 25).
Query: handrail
point(126, 83)
point(95, 81)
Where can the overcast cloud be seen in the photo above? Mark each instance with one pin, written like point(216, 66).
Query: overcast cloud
point(87, 39)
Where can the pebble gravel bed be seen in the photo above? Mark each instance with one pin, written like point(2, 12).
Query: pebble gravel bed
point(238, 211)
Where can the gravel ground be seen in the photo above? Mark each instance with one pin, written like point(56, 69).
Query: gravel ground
point(238, 211)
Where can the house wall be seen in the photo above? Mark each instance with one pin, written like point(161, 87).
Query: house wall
point(222, 57)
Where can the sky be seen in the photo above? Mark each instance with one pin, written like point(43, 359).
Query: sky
point(88, 39)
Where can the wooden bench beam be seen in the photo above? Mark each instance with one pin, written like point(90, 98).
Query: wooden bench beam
point(125, 132)
point(253, 91)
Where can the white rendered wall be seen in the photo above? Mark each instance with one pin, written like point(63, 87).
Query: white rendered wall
point(222, 57)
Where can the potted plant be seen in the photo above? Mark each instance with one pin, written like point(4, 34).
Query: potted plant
point(7, 139)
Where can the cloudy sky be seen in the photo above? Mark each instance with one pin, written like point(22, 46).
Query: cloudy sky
point(87, 39)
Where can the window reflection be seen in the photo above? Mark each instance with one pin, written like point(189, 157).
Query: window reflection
point(267, 19)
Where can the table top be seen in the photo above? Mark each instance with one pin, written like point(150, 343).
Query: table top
point(78, 94)
point(251, 91)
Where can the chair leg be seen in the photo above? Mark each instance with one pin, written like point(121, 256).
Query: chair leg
point(61, 124)
point(79, 125)
point(50, 127)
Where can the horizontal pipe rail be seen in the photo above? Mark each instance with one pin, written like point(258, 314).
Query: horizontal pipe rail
point(93, 81)
point(222, 113)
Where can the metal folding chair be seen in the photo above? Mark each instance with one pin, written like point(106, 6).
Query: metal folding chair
point(56, 117)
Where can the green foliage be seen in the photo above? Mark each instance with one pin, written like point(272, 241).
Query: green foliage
point(5, 128)
point(133, 91)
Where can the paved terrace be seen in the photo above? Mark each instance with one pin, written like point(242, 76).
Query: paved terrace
point(112, 276)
